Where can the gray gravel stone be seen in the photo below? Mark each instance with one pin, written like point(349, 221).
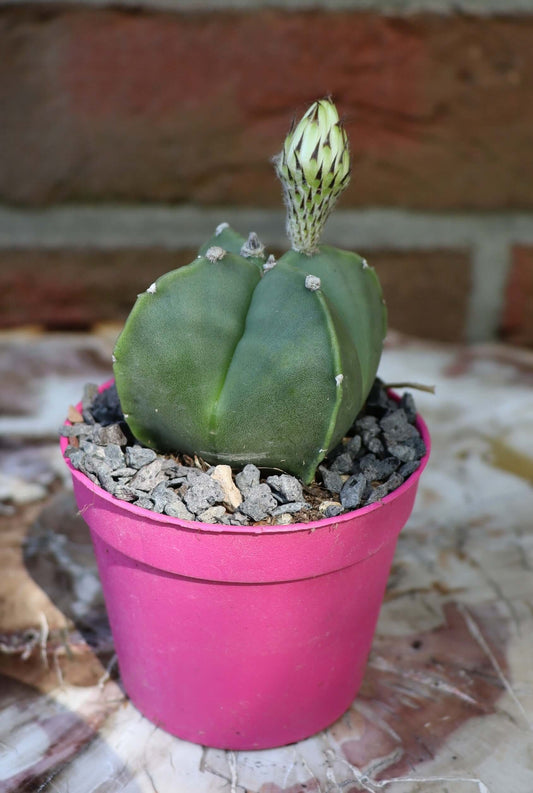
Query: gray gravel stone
point(92, 449)
point(354, 445)
point(194, 475)
point(378, 470)
point(124, 472)
point(107, 481)
point(175, 470)
point(160, 495)
point(112, 433)
point(177, 509)
point(407, 403)
point(378, 402)
point(212, 514)
point(114, 456)
point(137, 456)
point(236, 519)
point(76, 430)
point(145, 503)
point(105, 407)
point(394, 481)
point(247, 478)
point(377, 494)
point(408, 468)
point(353, 491)
point(288, 487)
point(402, 451)
point(290, 507)
point(76, 457)
point(258, 503)
point(396, 427)
point(342, 464)
point(96, 465)
point(374, 445)
point(148, 476)
point(332, 479)
point(417, 443)
point(202, 494)
point(332, 510)
point(125, 493)
point(367, 425)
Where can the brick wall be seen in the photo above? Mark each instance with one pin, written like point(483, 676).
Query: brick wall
point(128, 132)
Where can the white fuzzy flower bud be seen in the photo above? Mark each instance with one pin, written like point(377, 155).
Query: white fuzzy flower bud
point(314, 169)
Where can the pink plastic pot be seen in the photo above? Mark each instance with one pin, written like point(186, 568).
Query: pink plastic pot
point(243, 637)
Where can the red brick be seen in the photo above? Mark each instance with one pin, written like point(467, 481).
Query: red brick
point(76, 289)
point(426, 292)
point(110, 104)
point(517, 323)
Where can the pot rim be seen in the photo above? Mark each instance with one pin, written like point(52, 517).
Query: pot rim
point(220, 528)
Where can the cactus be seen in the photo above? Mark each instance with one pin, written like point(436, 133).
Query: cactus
point(237, 358)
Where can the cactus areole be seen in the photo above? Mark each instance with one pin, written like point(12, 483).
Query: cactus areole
point(240, 359)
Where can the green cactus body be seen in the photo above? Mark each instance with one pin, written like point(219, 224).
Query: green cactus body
point(249, 368)
point(177, 344)
point(238, 359)
point(353, 288)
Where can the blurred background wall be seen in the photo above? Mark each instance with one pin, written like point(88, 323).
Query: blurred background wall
point(129, 130)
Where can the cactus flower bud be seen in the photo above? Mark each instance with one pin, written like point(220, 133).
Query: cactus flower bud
point(314, 169)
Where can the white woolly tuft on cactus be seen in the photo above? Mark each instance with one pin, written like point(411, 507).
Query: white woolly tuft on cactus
point(314, 169)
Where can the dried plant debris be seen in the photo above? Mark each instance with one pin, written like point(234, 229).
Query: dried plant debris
point(382, 449)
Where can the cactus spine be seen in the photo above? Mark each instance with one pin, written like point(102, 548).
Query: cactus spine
point(238, 360)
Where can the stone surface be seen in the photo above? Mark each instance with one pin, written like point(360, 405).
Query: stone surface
point(17, 490)
point(446, 703)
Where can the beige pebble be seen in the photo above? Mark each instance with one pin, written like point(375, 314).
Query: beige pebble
point(232, 495)
point(284, 519)
point(325, 504)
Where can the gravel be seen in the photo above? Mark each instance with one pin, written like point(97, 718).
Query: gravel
point(382, 449)
point(354, 491)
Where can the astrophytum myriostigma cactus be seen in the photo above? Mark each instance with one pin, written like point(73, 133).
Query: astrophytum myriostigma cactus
point(240, 359)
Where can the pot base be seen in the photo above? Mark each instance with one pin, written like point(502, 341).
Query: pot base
point(242, 666)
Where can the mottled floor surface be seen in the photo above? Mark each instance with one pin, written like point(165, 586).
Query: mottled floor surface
point(447, 701)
